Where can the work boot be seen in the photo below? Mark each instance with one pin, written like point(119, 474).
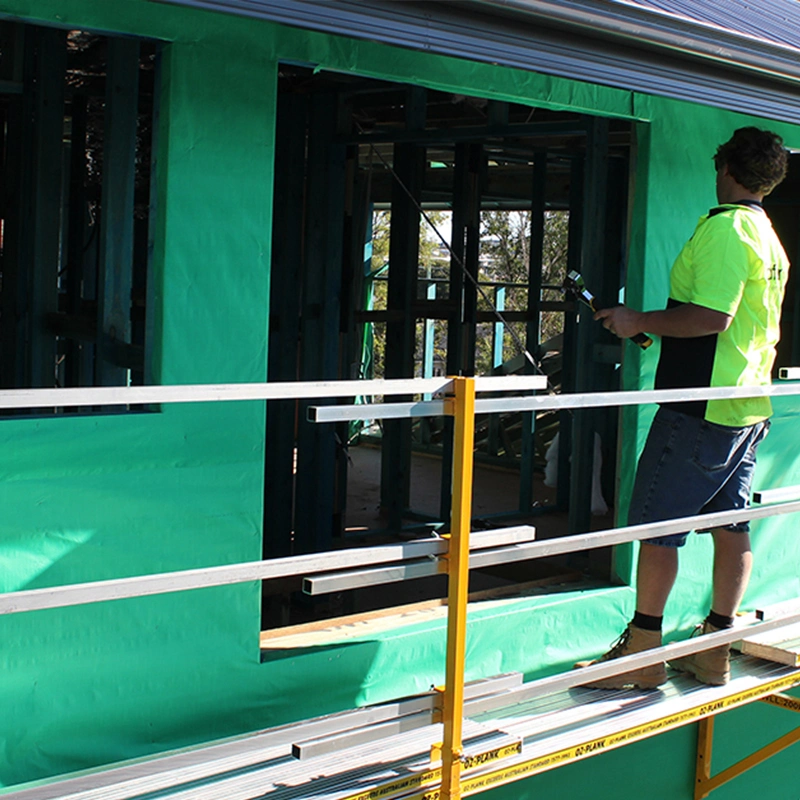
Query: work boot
point(633, 640)
point(711, 666)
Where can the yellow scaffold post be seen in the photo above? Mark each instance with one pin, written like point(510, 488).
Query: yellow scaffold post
point(462, 408)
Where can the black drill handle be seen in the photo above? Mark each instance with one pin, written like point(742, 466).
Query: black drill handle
point(643, 340)
point(574, 285)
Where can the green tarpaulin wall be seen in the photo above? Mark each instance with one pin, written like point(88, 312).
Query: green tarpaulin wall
point(89, 498)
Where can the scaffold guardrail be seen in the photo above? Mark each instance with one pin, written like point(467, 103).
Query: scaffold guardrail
point(453, 554)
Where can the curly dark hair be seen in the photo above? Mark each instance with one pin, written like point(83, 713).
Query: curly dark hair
point(755, 158)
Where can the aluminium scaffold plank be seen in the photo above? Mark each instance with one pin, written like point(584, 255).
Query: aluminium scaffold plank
point(503, 745)
point(261, 764)
point(582, 722)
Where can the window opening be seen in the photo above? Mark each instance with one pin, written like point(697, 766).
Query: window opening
point(77, 114)
point(358, 274)
point(783, 208)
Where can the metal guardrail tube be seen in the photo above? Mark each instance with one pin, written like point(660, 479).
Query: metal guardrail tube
point(415, 712)
point(605, 669)
point(789, 373)
point(183, 580)
point(635, 533)
point(162, 583)
point(777, 495)
point(549, 402)
point(285, 390)
point(392, 573)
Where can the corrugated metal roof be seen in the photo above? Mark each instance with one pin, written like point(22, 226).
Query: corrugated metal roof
point(772, 20)
point(654, 46)
point(724, 31)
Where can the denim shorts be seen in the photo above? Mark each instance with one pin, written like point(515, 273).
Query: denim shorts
point(690, 466)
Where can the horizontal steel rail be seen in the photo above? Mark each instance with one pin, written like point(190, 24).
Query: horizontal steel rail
point(634, 533)
point(777, 495)
point(548, 402)
point(779, 609)
point(415, 712)
point(325, 584)
point(606, 669)
point(283, 390)
point(162, 772)
point(166, 582)
point(206, 577)
point(393, 573)
point(789, 373)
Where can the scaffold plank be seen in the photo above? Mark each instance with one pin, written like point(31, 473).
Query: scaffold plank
point(502, 745)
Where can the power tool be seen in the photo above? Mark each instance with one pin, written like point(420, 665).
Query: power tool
point(575, 286)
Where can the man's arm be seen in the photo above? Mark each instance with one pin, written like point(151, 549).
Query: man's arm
point(682, 322)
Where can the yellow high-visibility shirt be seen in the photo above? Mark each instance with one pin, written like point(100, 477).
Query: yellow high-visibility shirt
point(733, 263)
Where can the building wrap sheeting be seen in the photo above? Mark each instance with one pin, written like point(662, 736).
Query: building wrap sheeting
point(106, 496)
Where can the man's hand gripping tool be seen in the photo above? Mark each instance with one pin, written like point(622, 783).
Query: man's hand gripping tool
point(574, 285)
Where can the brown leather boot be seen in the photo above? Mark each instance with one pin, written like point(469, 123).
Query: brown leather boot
point(711, 666)
point(633, 640)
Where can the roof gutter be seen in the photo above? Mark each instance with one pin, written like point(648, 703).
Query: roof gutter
point(634, 25)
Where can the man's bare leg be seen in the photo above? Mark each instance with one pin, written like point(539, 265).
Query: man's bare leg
point(658, 568)
point(733, 563)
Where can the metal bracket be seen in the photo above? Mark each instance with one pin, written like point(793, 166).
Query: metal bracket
point(705, 782)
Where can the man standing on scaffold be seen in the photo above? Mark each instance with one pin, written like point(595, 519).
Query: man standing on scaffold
point(720, 328)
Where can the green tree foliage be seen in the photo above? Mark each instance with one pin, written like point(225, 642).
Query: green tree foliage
point(505, 259)
point(433, 264)
point(504, 262)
